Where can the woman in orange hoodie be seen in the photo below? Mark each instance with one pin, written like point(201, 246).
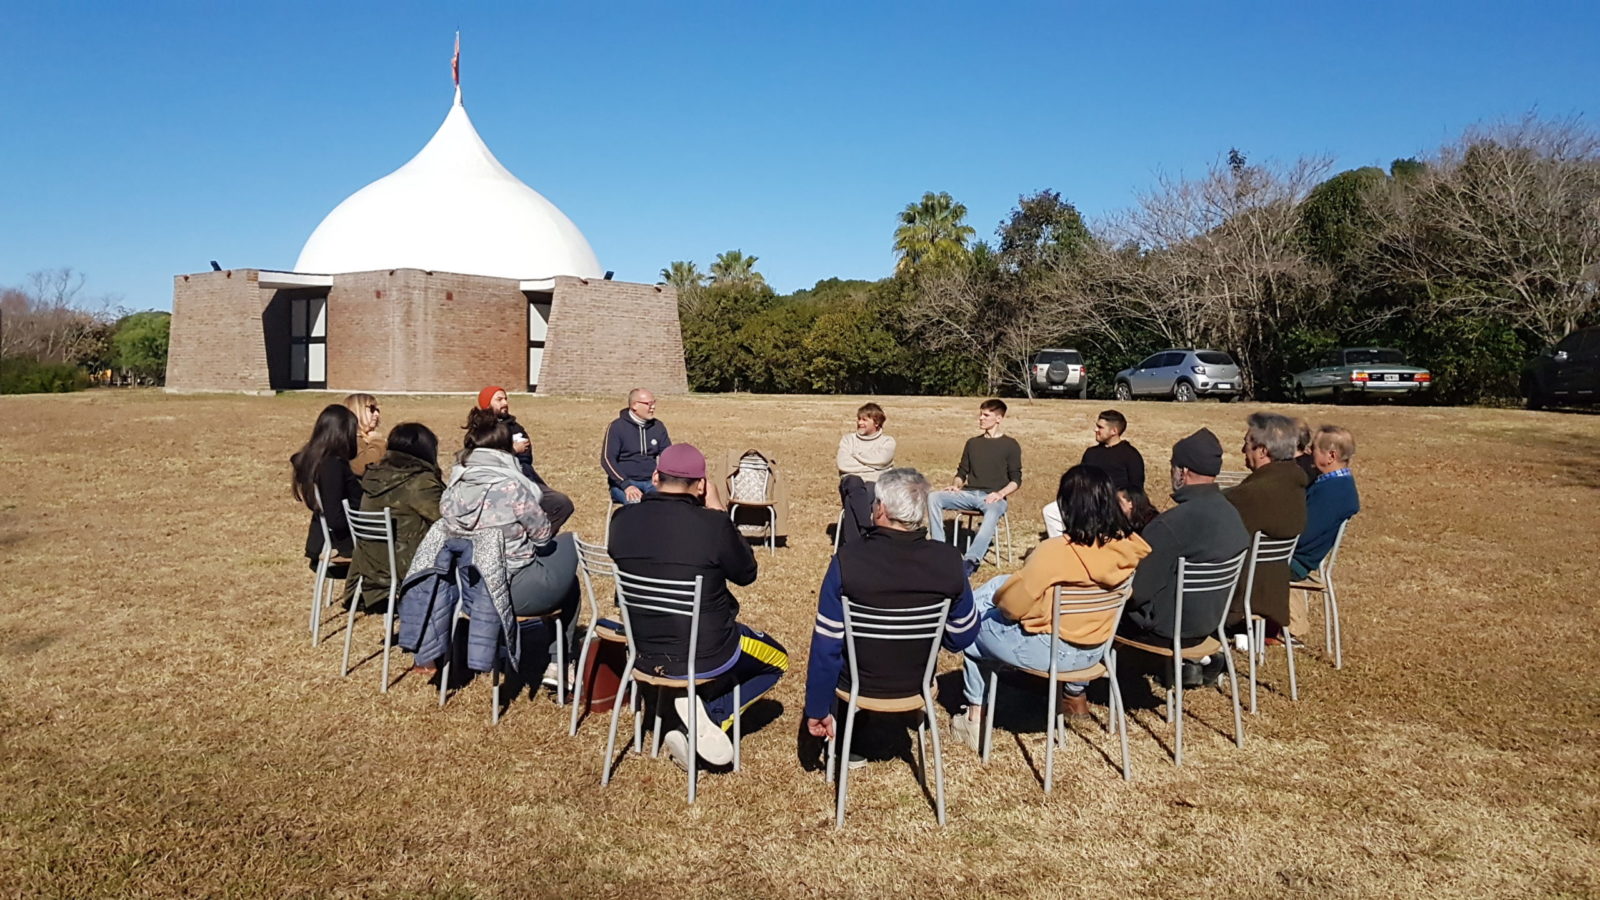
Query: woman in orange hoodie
point(1098, 549)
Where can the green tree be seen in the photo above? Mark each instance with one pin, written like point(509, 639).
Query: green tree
point(683, 275)
point(734, 267)
point(139, 345)
point(932, 231)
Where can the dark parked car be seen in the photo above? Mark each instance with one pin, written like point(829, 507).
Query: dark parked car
point(1362, 372)
point(1568, 373)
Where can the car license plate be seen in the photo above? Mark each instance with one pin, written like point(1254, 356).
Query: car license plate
point(1391, 377)
point(1224, 385)
point(1058, 387)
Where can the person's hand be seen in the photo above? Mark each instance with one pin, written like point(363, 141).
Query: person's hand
point(822, 728)
point(632, 493)
point(993, 497)
point(713, 498)
point(520, 445)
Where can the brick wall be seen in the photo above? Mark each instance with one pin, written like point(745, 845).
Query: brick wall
point(218, 342)
point(607, 337)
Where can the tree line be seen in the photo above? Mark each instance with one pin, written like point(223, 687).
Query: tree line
point(1470, 259)
point(54, 338)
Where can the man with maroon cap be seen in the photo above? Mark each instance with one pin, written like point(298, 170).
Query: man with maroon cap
point(670, 534)
point(556, 505)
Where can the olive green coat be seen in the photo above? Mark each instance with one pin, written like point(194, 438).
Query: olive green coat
point(411, 488)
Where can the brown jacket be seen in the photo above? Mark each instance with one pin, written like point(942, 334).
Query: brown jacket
point(369, 449)
point(1272, 501)
point(1026, 596)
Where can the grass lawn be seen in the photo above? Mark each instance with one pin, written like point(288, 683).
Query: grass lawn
point(166, 729)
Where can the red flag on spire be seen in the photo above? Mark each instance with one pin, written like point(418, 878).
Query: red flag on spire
point(455, 61)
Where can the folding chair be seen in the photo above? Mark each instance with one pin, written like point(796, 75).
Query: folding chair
point(552, 620)
point(755, 470)
point(870, 623)
point(1072, 603)
point(371, 526)
point(637, 593)
point(321, 590)
point(1265, 551)
point(1321, 582)
point(1195, 578)
point(972, 532)
point(593, 562)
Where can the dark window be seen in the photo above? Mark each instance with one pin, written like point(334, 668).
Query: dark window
point(308, 343)
point(1213, 358)
point(1329, 359)
point(1153, 362)
point(1570, 342)
point(1591, 343)
point(1070, 357)
point(1370, 357)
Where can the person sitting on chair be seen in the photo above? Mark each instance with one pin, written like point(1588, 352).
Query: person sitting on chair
point(556, 505)
point(406, 481)
point(369, 440)
point(863, 455)
point(990, 471)
point(1272, 500)
point(893, 566)
point(322, 468)
point(1330, 500)
point(669, 534)
point(1098, 549)
point(633, 442)
point(1203, 528)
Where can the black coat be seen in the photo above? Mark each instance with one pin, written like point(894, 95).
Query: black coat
point(335, 482)
point(1204, 528)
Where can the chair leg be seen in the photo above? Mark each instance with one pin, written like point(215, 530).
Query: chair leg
point(1252, 628)
point(561, 661)
point(844, 765)
point(349, 629)
point(1288, 652)
point(611, 736)
point(1119, 711)
point(388, 638)
point(1176, 694)
point(1233, 686)
point(1332, 602)
point(316, 599)
point(655, 737)
point(693, 727)
point(494, 690)
point(986, 738)
point(637, 702)
point(938, 755)
point(738, 712)
point(577, 685)
point(1052, 701)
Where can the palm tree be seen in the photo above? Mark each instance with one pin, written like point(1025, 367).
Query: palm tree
point(734, 267)
point(683, 275)
point(931, 230)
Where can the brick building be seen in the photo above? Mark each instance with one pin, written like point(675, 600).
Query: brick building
point(445, 275)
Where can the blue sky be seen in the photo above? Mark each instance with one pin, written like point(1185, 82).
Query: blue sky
point(140, 140)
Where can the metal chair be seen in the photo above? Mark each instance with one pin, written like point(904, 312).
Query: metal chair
point(1265, 551)
point(552, 620)
point(838, 526)
point(870, 623)
point(972, 532)
point(321, 590)
point(371, 526)
point(637, 593)
point(1229, 479)
point(593, 562)
point(760, 471)
point(610, 511)
point(1195, 578)
point(1093, 602)
point(1321, 582)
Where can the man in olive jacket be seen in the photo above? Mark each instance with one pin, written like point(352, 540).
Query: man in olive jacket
point(1272, 501)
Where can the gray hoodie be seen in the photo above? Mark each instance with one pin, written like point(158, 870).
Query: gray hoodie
point(488, 490)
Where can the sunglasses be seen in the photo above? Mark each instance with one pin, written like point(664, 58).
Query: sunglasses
point(372, 409)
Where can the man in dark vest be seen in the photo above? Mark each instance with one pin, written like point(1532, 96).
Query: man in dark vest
point(1272, 500)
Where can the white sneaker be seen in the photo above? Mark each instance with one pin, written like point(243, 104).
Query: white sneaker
point(711, 741)
point(677, 745)
point(965, 730)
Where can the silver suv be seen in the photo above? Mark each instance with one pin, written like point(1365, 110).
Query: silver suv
point(1183, 375)
point(1059, 372)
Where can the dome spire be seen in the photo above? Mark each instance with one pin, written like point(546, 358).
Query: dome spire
point(455, 67)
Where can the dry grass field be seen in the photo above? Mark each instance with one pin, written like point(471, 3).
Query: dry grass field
point(165, 728)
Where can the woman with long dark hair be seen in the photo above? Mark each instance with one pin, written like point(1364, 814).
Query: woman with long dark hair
point(488, 489)
point(405, 481)
point(1097, 550)
point(1137, 507)
point(322, 467)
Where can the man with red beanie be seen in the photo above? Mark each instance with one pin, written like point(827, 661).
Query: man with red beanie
point(556, 505)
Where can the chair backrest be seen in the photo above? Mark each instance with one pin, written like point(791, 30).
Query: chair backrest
point(593, 562)
point(1333, 553)
point(1095, 602)
point(1229, 479)
point(875, 623)
point(1264, 551)
point(749, 482)
point(660, 596)
point(322, 522)
point(373, 526)
point(1206, 578)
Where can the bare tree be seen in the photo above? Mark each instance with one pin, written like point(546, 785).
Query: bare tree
point(1505, 220)
point(49, 319)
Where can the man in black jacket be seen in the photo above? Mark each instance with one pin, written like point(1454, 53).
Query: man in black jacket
point(669, 534)
point(1203, 528)
point(556, 505)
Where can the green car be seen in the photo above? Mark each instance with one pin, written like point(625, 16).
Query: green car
point(1362, 372)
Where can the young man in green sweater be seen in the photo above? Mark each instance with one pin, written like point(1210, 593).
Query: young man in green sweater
point(990, 471)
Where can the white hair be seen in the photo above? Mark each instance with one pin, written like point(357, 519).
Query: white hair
point(903, 494)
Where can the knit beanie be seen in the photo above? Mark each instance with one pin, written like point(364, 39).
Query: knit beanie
point(487, 394)
point(1200, 453)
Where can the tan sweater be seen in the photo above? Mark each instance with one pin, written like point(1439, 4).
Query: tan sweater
point(865, 457)
point(1026, 596)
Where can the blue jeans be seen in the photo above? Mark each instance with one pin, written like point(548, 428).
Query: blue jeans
point(939, 501)
point(1002, 641)
point(617, 496)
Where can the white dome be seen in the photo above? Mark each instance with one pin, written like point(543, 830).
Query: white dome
point(452, 208)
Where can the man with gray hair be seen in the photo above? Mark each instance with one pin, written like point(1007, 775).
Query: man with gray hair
point(894, 566)
point(1272, 500)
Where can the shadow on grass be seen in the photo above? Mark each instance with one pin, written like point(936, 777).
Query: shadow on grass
point(1575, 459)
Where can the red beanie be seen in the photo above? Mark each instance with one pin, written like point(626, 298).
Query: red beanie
point(487, 394)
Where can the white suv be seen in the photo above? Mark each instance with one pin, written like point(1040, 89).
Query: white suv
point(1059, 372)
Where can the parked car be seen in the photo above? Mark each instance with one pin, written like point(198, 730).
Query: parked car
point(1183, 375)
point(1362, 372)
point(1568, 373)
point(1060, 372)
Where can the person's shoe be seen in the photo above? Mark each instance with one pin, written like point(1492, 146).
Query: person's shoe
point(966, 731)
point(677, 744)
point(970, 566)
point(1192, 676)
point(552, 676)
point(857, 761)
point(711, 741)
point(1074, 706)
point(1212, 670)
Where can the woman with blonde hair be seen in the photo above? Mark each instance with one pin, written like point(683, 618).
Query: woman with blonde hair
point(370, 444)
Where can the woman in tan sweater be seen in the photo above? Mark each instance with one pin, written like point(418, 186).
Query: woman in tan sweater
point(370, 444)
point(1098, 549)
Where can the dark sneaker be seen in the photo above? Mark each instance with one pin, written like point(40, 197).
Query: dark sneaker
point(971, 566)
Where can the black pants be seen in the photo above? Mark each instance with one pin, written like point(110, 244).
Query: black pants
point(856, 496)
